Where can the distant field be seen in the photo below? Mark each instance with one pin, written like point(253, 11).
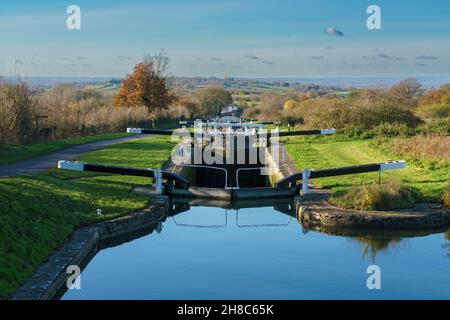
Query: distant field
point(109, 87)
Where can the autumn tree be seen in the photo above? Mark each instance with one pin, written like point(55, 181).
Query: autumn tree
point(436, 96)
point(147, 85)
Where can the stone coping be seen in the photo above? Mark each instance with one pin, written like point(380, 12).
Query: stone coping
point(315, 211)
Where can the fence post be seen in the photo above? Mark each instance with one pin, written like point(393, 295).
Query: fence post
point(305, 177)
point(158, 181)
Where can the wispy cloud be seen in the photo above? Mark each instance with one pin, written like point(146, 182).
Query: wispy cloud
point(251, 56)
point(216, 59)
point(317, 57)
point(334, 32)
point(425, 57)
point(268, 62)
point(388, 57)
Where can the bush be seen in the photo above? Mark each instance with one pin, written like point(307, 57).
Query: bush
point(390, 195)
point(435, 127)
point(76, 112)
point(342, 114)
point(353, 131)
point(16, 109)
point(433, 111)
point(392, 130)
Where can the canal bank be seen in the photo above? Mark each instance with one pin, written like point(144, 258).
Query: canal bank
point(314, 210)
point(49, 280)
point(235, 251)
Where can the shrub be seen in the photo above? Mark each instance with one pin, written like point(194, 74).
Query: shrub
point(436, 96)
point(435, 127)
point(76, 112)
point(16, 109)
point(392, 130)
point(252, 112)
point(342, 114)
point(433, 111)
point(390, 195)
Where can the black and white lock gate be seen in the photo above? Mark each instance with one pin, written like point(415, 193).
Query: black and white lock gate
point(306, 174)
point(158, 174)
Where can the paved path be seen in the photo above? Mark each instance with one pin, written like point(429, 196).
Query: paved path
point(50, 160)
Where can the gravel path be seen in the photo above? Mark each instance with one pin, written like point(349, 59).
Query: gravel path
point(50, 160)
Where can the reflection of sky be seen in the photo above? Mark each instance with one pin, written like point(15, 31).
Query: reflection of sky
point(277, 262)
point(234, 37)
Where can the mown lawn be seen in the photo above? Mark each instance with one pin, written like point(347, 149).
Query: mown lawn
point(427, 178)
point(38, 212)
point(14, 153)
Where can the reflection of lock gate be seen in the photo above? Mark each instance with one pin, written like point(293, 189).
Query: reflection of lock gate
point(237, 223)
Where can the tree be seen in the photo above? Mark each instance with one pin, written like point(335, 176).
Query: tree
point(436, 96)
point(213, 99)
point(146, 86)
point(406, 92)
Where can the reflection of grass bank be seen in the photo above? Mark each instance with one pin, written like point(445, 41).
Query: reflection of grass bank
point(38, 212)
point(13, 153)
point(427, 179)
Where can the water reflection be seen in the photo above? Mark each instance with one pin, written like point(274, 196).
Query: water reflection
point(447, 245)
point(371, 241)
point(260, 250)
point(374, 241)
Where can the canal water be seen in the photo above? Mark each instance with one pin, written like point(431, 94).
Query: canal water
point(203, 252)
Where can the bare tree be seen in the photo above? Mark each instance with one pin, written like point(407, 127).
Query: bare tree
point(407, 92)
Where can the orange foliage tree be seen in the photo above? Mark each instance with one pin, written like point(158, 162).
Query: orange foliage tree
point(147, 85)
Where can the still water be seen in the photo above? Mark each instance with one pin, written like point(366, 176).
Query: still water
point(201, 252)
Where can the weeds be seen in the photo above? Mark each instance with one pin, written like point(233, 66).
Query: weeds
point(389, 195)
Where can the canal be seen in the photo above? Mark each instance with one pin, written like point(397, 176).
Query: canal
point(214, 252)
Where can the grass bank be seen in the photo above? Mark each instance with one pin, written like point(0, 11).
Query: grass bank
point(14, 153)
point(426, 178)
point(38, 212)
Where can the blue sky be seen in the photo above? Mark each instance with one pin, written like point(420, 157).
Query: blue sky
point(227, 38)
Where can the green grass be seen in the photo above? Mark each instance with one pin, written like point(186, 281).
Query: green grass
point(14, 153)
point(426, 178)
point(38, 212)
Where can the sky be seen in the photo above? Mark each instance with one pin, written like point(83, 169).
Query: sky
point(238, 38)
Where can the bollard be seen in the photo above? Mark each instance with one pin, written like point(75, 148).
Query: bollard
point(158, 181)
point(305, 177)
